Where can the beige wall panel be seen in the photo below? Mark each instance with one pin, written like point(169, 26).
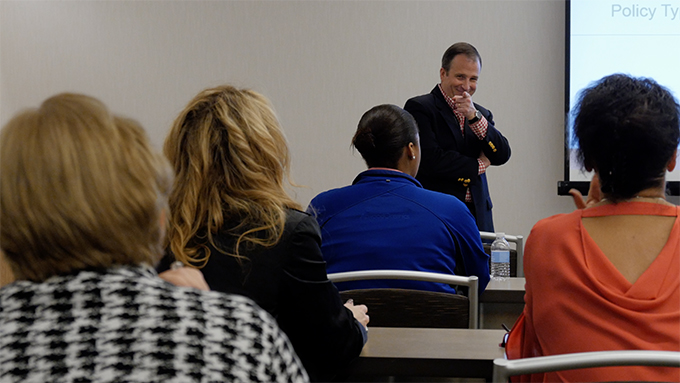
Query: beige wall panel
point(322, 63)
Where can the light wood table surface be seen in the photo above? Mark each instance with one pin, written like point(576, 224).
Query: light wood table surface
point(510, 290)
point(501, 303)
point(428, 352)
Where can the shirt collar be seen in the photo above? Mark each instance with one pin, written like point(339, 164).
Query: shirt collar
point(448, 99)
point(390, 174)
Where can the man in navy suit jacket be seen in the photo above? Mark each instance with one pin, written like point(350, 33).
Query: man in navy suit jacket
point(458, 138)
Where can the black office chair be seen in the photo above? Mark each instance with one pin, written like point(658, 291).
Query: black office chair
point(414, 308)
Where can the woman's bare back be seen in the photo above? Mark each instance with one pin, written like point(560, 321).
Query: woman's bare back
point(630, 242)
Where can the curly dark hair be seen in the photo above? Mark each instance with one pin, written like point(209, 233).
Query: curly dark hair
point(628, 130)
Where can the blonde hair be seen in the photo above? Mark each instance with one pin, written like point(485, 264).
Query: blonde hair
point(79, 189)
point(232, 162)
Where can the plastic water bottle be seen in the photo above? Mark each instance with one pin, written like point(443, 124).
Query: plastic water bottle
point(500, 258)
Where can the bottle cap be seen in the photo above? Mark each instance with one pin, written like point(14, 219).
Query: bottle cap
point(500, 235)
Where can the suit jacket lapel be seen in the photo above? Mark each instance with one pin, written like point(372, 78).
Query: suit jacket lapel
point(447, 115)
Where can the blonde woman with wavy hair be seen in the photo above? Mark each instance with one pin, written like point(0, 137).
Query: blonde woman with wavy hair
point(232, 160)
point(232, 219)
point(83, 200)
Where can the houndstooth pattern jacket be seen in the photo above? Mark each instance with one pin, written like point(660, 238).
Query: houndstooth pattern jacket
point(127, 325)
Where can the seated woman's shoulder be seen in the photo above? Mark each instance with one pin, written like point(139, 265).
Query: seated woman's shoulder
point(556, 226)
point(297, 220)
point(436, 198)
point(558, 221)
point(216, 304)
point(296, 216)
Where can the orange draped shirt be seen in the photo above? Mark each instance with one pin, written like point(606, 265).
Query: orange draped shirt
point(577, 301)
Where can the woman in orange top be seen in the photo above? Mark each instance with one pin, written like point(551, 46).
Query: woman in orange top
point(607, 276)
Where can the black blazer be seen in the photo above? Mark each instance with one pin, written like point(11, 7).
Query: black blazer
point(289, 281)
point(449, 159)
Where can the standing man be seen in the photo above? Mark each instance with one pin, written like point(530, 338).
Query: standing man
point(458, 138)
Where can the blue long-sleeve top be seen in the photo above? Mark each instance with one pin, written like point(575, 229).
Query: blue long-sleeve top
point(386, 220)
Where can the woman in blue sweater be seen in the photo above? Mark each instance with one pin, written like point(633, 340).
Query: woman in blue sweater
point(386, 220)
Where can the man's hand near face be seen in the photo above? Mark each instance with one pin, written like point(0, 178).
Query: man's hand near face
point(465, 106)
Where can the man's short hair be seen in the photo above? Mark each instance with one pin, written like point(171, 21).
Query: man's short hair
point(80, 189)
point(460, 49)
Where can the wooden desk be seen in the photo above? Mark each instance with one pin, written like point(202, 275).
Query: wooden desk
point(428, 352)
point(508, 291)
point(501, 303)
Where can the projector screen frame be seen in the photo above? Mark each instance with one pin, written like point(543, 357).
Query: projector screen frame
point(563, 187)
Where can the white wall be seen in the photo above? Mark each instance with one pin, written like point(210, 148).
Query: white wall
point(321, 63)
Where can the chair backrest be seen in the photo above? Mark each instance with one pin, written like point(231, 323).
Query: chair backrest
point(503, 368)
point(516, 258)
point(412, 308)
point(393, 301)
